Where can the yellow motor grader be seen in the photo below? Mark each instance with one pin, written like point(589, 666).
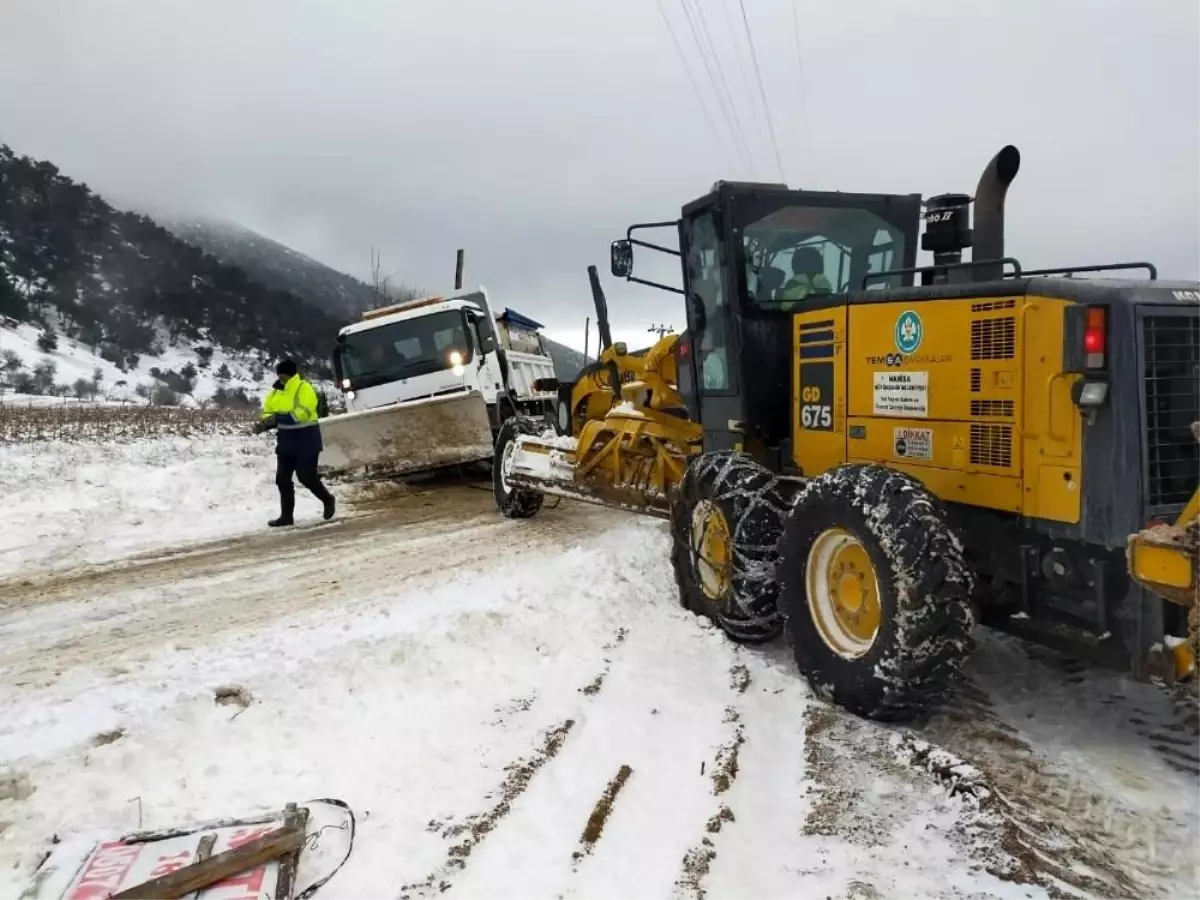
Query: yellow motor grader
point(874, 455)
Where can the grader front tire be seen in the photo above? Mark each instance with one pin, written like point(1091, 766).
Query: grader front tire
point(726, 518)
point(876, 592)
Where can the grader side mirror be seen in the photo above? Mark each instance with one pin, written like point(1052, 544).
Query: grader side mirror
point(621, 256)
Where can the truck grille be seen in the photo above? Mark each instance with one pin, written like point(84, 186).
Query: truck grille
point(1171, 349)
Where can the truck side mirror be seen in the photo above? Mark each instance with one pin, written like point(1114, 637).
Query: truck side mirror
point(621, 259)
point(487, 339)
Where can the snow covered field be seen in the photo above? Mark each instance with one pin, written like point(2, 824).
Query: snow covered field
point(73, 503)
point(519, 709)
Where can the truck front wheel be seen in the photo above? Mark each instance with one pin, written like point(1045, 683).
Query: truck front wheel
point(513, 502)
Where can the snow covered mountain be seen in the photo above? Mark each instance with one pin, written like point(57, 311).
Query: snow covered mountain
point(279, 266)
point(86, 288)
point(275, 265)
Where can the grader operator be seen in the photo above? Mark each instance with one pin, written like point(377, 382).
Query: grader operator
point(880, 459)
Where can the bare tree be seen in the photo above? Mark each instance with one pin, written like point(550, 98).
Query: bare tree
point(379, 281)
point(384, 288)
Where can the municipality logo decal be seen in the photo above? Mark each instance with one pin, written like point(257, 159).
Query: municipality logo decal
point(908, 332)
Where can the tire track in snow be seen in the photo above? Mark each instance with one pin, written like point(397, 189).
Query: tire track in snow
point(600, 812)
point(698, 860)
point(1088, 817)
point(749, 777)
point(475, 828)
point(371, 509)
point(1055, 828)
point(657, 712)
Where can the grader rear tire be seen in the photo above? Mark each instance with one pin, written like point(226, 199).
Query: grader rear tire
point(876, 592)
point(514, 503)
point(726, 518)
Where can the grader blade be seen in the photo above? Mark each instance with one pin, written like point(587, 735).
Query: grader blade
point(1166, 558)
point(408, 437)
point(629, 460)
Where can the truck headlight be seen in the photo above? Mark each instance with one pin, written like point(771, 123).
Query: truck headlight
point(350, 395)
point(456, 362)
point(345, 384)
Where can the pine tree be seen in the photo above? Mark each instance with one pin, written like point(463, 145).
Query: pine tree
point(47, 341)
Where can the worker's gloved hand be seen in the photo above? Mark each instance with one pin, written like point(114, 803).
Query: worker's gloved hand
point(260, 426)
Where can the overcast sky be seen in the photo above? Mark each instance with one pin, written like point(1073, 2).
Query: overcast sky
point(531, 132)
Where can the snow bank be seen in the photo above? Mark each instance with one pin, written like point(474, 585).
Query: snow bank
point(67, 503)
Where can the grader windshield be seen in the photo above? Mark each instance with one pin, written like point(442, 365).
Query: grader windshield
point(796, 252)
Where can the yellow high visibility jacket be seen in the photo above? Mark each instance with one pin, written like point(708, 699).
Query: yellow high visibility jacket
point(801, 286)
point(292, 411)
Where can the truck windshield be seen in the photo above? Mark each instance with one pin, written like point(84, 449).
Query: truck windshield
point(405, 349)
point(798, 252)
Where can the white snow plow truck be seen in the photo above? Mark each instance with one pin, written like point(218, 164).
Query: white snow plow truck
point(427, 384)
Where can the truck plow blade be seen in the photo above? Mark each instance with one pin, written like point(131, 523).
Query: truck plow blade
point(407, 437)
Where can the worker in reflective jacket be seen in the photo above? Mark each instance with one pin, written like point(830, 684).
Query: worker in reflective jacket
point(291, 409)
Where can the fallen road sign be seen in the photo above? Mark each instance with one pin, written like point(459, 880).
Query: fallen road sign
point(286, 854)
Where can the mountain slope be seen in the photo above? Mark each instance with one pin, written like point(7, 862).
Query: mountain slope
point(275, 264)
point(125, 287)
point(279, 266)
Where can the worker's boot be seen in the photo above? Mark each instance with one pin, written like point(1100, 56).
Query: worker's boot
point(287, 507)
point(330, 506)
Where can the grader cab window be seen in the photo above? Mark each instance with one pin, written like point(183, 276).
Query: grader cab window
point(707, 282)
point(802, 252)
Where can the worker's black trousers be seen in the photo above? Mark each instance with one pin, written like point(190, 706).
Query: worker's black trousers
point(305, 469)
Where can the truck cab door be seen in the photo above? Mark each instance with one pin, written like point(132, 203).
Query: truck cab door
point(709, 363)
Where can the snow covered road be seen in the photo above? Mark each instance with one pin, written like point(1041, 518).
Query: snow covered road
point(521, 709)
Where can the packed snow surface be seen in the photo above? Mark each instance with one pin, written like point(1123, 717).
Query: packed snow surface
point(511, 708)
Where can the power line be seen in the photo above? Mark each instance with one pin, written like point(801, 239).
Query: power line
point(804, 120)
point(762, 90)
point(712, 78)
point(695, 86)
point(733, 36)
point(721, 75)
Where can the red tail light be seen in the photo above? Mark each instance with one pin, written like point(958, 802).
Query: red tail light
point(1095, 337)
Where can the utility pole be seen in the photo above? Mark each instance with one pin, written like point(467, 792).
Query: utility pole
point(660, 330)
point(458, 270)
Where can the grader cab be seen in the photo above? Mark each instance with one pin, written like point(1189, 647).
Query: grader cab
point(874, 454)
